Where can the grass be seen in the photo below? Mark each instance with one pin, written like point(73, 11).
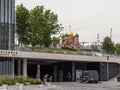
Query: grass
point(54, 50)
point(62, 51)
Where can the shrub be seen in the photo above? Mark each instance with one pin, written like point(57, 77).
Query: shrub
point(18, 79)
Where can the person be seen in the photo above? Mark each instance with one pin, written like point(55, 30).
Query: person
point(45, 78)
point(69, 76)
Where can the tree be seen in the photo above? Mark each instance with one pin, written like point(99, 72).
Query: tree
point(117, 48)
point(36, 23)
point(44, 24)
point(22, 24)
point(55, 41)
point(37, 26)
point(108, 45)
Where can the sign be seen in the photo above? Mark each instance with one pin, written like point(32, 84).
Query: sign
point(107, 57)
point(8, 53)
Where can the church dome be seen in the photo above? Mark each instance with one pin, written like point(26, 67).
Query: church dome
point(76, 35)
point(70, 33)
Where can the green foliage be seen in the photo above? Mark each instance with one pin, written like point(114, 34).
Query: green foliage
point(108, 45)
point(117, 48)
point(18, 79)
point(34, 81)
point(55, 41)
point(37, 26)
point(22, 24)
point(44, 23)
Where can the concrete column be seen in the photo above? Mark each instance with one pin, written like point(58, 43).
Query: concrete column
point(19, 67)
point(38, 72)
point(12, 67)
point(25, 67)
point(73, 71)
point(107, 71)
point(55, 73)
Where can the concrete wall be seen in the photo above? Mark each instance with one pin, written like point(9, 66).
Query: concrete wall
point(103, 71)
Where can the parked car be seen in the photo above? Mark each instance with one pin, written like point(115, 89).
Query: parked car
point(90, 76)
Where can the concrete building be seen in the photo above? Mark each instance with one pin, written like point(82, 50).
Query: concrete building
point(37, 64)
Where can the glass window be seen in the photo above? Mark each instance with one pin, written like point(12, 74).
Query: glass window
point(2, 11)
point(7, 17)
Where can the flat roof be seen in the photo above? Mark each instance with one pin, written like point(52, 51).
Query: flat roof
point(56, 56)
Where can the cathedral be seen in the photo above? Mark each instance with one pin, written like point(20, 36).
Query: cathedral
point(70, 41)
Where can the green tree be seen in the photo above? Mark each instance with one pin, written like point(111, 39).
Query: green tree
point(108, 45)
point(44, 24)
point(117, 48)
point(22, 24)
point(37, 26)
point(55, 41)
point(36, 23)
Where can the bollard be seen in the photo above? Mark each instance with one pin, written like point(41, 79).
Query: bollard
point(21, 87)
point(5, 87)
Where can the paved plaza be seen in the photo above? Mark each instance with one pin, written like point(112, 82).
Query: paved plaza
point(90, 86)
point(109, 85)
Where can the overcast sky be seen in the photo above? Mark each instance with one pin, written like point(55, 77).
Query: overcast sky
point(87, 17)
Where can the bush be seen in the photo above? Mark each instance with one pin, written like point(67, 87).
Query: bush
point(18, 79)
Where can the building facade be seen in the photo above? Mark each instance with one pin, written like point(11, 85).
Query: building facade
point(7, 23)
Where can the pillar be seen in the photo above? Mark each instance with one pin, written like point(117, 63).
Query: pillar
point(19, 67)
point(25, 67)
point(73, 71)
point(38, 72)
point(12, 67)
point(107, 71)
point(55, 73)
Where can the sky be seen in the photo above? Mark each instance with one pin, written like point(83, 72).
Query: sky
point(86, 17)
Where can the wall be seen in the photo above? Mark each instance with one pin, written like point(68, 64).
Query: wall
point(113, 70)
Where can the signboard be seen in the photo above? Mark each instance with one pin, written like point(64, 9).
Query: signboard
point(8, 53)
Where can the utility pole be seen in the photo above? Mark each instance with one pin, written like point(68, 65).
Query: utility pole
point(111, 37)
point(111, 33)
point(98, 40)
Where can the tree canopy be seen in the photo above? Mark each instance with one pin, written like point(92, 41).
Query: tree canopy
point(22, 23)
point(117, 48)
point(42, 24)
point(108, 45)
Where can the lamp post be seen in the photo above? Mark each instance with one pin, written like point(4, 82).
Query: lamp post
point(111, 33)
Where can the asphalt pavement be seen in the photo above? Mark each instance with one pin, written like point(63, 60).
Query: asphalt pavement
point(108, 85)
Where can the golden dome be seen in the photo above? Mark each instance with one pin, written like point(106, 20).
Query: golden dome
point(70, 33)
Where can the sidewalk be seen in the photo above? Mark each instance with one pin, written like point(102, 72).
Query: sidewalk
point(113, 82)
point(48, 86)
